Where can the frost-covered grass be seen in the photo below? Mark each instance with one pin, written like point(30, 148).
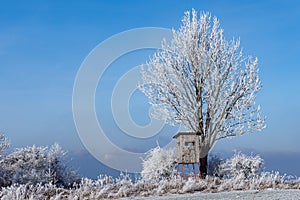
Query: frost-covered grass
point(106, 187)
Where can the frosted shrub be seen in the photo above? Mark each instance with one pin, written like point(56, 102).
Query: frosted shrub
point(214, 163)
point(58, 171)
point(33, 165)
point(4, 144)
point(241, 166)
point(3, 147)
point(159, 163)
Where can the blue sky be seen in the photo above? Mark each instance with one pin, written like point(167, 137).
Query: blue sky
point(43, 43)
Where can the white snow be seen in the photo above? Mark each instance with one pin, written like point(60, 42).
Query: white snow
point(241, 195)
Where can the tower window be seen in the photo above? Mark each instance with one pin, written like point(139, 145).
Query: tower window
point(190, 144)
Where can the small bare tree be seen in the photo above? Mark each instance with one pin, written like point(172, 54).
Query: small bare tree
point(203, 82)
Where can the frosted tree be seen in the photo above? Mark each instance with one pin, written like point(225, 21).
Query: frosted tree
point(4, 144)
point(204, 82)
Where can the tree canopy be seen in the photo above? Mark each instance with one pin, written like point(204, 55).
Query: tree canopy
point(204, 82)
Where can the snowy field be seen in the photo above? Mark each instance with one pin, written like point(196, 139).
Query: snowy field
point(250, 194)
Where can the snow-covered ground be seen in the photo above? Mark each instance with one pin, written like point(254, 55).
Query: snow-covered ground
point(249, 194)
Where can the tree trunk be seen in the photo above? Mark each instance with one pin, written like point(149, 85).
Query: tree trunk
point(203, 166)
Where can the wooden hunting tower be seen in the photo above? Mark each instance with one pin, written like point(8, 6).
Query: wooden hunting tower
point(188, 151)
point(188, 147)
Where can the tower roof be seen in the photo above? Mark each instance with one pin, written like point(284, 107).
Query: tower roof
point(184, 133)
